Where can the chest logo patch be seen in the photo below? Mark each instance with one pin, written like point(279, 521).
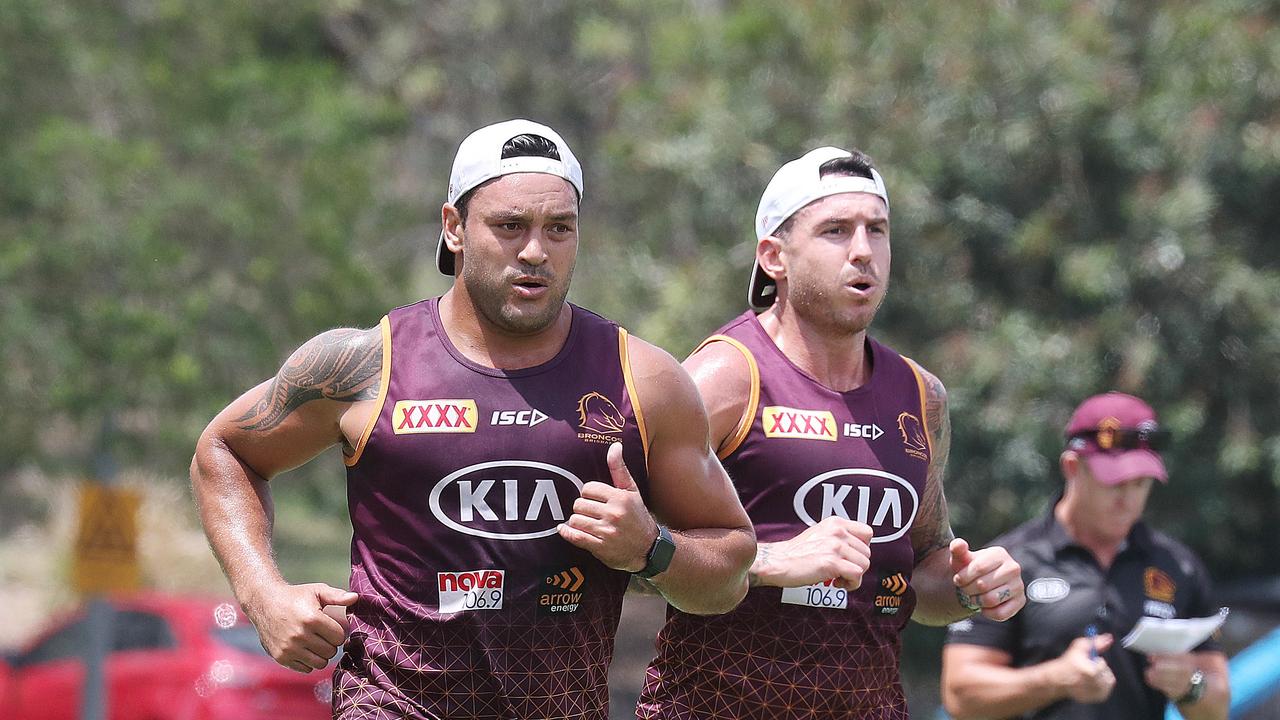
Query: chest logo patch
point(527, 418)
point(1158, 586)
point(470, 590)
point(1047, 590)
point(880, 499)
point(869, 431)
point(819, 595)
point(411, 417)
point(562, 592)
point(599, 418)
point(785, 422)
point(889, 600)
point(505, 499)
point(914, 442)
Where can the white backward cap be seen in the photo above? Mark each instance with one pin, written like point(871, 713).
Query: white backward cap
point(479, 159)
point(795, 185)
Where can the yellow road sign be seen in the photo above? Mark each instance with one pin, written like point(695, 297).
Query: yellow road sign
point(106, 550)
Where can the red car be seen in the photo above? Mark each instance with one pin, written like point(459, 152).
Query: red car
point(172, 658)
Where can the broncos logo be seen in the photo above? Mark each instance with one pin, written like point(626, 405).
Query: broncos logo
point(597, 413)
point(913, 439)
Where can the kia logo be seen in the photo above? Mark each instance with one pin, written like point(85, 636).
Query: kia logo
point(882, 500)
point(505, 499)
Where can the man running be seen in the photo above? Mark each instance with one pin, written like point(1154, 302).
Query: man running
point(504, 450)
point(837, 446)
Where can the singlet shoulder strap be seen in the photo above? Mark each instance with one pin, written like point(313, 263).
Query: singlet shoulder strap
point(753, 400)
point(625, 356)
point(376, 409)
point(924, 416)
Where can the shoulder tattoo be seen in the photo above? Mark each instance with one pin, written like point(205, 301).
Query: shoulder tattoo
point(932, 528)
point(343, 365)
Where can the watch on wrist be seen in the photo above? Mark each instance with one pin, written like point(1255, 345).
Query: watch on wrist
point(1196, 691)
point(660, 553)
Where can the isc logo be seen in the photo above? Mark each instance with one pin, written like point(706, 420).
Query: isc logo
point(870, 431)
point(517, 417)
point(434, 416)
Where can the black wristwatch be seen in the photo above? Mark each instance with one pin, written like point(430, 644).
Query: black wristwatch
point(1196, 691)
point(660, 552)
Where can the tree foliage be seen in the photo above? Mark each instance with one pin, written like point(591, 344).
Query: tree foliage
point(1084, 198)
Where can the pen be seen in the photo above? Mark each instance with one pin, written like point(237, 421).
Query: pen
point(1091, 632)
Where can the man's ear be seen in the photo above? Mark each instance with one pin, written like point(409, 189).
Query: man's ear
point(769, 256)
point(451, 221)
point(1071, 464)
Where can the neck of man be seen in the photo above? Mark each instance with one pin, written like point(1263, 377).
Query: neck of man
point(484, 343)
point(1103, 546)
point(836, 359)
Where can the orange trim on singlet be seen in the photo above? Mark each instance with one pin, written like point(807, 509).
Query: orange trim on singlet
point(382, 394)
point(924, 415)
point(749, 414)
point(625, 357)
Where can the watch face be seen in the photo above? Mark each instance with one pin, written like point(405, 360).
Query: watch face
point(660, 554)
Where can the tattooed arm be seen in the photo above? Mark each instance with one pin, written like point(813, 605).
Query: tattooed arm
point(952, 582)
point(322, 396)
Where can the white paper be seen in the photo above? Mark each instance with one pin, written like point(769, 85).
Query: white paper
point(1157, 636)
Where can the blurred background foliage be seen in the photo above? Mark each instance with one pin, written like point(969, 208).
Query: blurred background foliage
point(1086, 195)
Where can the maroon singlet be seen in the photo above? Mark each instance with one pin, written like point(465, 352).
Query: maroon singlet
point(471, 606)
point(808, 452)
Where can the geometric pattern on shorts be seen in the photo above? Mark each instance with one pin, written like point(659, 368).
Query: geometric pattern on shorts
point(771, 661)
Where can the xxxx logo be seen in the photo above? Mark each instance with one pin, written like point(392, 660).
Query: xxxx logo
point(785, 422)
point(895, 583)
point(434, 416)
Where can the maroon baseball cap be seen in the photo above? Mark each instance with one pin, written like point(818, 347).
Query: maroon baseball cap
point(1119, 438)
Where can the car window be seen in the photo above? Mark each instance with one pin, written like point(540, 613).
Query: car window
point(63, 644)
point(240, 637)
point(137, 630)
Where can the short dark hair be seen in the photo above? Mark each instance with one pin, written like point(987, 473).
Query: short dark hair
point(526, 145)
point(856, 164)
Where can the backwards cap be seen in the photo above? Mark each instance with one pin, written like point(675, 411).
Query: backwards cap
point(479, 160)
point(795, 185)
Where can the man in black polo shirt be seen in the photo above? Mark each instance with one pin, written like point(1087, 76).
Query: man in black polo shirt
point(1092, 569)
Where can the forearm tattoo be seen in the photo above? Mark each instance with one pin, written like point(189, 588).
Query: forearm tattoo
point(932, 529)
point(343, 365)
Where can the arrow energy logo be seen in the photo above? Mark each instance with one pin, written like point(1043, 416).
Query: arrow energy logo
point(563, 592)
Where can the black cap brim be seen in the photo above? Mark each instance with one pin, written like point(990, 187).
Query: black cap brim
point(763, 290)
point(445, 260)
